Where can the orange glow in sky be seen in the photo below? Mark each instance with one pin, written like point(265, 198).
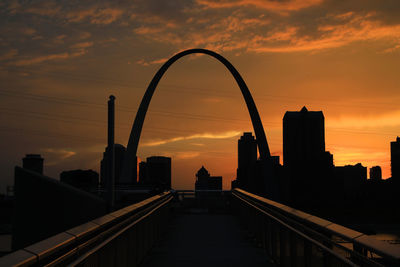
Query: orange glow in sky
point(60, 62)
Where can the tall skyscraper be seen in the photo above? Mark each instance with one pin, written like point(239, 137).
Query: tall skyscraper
point(247, 158)
point(33, 162)
point(303, 137)
point(395, 158)
point(308, 167)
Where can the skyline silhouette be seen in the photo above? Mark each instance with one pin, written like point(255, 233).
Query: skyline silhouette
point(236, 132)
point(58, 67)
point(120, 151)
point(308, 174)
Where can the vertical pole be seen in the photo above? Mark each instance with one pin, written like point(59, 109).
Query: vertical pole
point(111, 156)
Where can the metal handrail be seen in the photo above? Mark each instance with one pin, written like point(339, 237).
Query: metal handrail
point(317, 226)
point(73, 243)
point(114, 236)
point(288, 227)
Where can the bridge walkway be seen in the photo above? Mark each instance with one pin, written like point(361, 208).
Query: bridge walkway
point(206, 239)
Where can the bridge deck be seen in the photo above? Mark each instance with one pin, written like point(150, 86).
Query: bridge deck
point(203, 239)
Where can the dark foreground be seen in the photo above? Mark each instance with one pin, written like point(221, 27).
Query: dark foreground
point(204, 239)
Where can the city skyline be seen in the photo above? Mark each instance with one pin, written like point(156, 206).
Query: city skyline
point(57, 77)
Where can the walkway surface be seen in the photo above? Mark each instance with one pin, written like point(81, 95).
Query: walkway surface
point(203, 239)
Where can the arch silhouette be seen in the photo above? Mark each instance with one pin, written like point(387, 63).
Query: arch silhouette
point(141, 113)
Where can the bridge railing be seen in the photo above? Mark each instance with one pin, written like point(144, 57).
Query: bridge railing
point(295, 238)
point(120, 238)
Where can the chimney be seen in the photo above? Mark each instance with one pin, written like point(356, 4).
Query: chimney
point(111, 157)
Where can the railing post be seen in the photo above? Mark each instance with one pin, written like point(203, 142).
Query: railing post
point(269, 236)
point(307, 253)
point(293, 249)
point(274, 242)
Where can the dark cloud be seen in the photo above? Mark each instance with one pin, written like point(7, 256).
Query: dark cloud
point(241, 26)
point(164, 10)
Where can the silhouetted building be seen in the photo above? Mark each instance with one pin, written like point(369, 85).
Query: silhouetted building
point(395, 158)
point(375, 173)
point(308, 167)
point(119, 156)
point(142, 172)
point(87, 180)
point(275, 160)
point(326, 160)
point(258, 176)
point(247, 157)
point(351, 178)
point(303, 137)
point(33, 162)
point(202, 177)
point(206, 182)
point(158, 171)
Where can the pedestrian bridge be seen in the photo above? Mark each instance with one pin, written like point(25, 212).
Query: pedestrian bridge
point(207, 228)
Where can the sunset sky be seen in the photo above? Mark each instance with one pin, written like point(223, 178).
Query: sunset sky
point(60, 60)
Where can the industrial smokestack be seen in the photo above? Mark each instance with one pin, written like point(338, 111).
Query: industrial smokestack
point(111, 154)
point(111, 115)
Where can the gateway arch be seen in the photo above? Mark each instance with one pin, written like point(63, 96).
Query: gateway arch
point(144, 105)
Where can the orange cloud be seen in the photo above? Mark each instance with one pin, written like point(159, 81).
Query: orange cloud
point(143, 30)
point(9, 55)
point(239, 32)
point(238, 23)
point(40, 59)
point(59, 39)
point(148, 63)
point(62, 153)
point(82, 45)
point(43, 9)
point(57, 156)
point(13, 6)
point(223, 135)
point(85, 35)
point(28, 31)
point(391, 49)
point(186, 155)
point(276, 6)
point(359, 28)
point(95, 15)
point(107, 16)
point(287, 34)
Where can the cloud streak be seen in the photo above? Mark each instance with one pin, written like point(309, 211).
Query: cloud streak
point(9, 55)
point(187, 155)
point(44, 58)
point(274, 6)
point(152, 62)
point(223, 135)
point(61, 153)
point(95, 15)
point(383, 120)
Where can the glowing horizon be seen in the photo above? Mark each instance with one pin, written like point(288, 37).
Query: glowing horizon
point(60, 62)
